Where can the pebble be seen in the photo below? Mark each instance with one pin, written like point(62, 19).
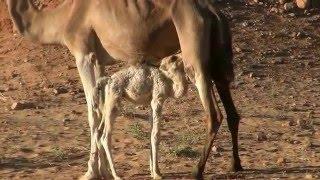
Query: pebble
point(282, 1)
point(216, 149)
point(66, 120)
point(291, 14)
point(281, 161)
point(245, 24)
point(308, 176)
point(237, 49)
point(315, 18)
point(272, 149)
point(60, 90)
point(274, 9)
point(261, 136)
point(302, 123)
point(22, 105)
point(70, 67)
point(278, 61)
point(292, 123)
point(5, 88)
point(289, 6)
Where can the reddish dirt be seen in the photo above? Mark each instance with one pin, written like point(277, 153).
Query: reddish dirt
point(276, 92)
point(5, 22)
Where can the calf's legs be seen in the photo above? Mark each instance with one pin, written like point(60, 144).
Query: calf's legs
point(156, 106)
point(108, 117)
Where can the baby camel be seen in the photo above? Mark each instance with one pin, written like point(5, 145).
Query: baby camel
point(140, 84)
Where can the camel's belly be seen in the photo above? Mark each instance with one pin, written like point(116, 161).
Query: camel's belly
point(136, 36)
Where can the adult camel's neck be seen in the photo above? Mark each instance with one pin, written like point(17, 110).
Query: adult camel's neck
point(42, 26)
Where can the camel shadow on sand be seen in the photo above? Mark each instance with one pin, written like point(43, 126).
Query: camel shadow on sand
point(293, 172)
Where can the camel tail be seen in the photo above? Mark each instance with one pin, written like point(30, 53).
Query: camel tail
point(221, 55)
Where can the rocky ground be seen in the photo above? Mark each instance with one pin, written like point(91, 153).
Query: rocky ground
point(44, 130)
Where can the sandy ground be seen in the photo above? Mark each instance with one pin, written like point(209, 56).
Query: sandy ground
point(276, 92)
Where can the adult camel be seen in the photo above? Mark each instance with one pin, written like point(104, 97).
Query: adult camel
point(98, 32)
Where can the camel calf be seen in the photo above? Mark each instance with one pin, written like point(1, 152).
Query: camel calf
point(140, 84)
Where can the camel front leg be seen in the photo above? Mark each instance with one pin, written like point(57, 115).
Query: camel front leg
point(88, 74)
point(156, 105)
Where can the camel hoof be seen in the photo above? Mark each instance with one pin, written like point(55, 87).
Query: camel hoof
point(88, 176)
point(236, 167)
point(197, 175)
point(157, 176)
point(117, 178)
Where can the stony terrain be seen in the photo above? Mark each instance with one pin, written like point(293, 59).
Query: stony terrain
point(44, 130)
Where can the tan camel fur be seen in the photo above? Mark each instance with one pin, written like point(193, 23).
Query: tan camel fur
point(141, 84)
point(98, 32)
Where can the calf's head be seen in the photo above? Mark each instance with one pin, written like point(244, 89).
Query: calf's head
point(172, 67)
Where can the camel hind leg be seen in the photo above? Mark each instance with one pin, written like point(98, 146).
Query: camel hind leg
point(194, 36)
point(221, 68)
point(233, 120)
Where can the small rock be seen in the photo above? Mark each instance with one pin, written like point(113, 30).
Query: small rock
point(288, 6)
point(292, 123)
point(14, 74)
point(25, 60)
point(79, 96)
point(261, 136)
point(66, 128)
point(237, 49)
point(272, 149)
point(291, 14)
point(281, 161)
point(5, 88)
point(76, 112)
point(315, 18)
point(278, 61)
point(66, 120)
point(315, 144)
point(26, 150)
point(274, 9)
point(141, 107)
point(71, 67)
point(22, 105)
point(302, 123)
point(310, 114)
point(295, 142)
point(282, 1)
point(60, 90)
point(216, 149)
point(245, 24)
point(308, 176)
point(256, 1)
point(255, 85)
